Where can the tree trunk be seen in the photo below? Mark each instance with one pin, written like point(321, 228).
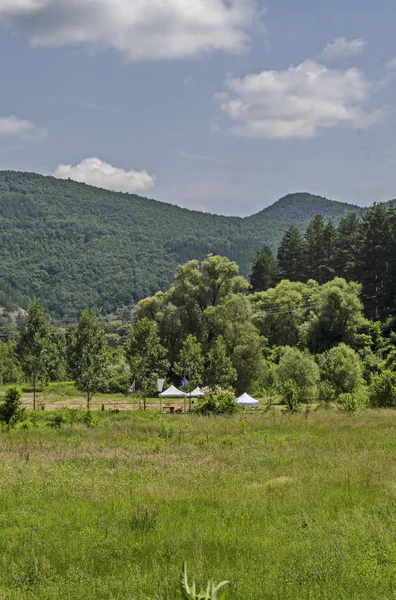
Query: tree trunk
point(34, 393)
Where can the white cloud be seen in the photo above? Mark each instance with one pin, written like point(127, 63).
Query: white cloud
point(140, 29)
point(342, 47)
point(20, 128)
point(391, 64)
point(298, 102)
point(189, 80)
point(95, 172)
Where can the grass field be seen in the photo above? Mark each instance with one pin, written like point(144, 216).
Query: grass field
point(284, 507)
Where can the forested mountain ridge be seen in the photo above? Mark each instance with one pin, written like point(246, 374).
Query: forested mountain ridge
point(76, 246)
point(303, 207)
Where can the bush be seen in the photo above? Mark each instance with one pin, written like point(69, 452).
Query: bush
point(326, 393)
point(352, 402)
point(11, 412)
point(119, 384)
point(217, 404)
point(382, 391)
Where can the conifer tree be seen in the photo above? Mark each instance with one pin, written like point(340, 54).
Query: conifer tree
point(263, 274)
point(291, 256)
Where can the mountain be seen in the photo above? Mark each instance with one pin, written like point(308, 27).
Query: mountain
point(76, 246)
point(303, 207)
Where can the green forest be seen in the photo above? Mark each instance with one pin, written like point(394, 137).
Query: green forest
point(75, 246)
point(315, 323)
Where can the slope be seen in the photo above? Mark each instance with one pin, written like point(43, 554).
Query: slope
point(76, 246)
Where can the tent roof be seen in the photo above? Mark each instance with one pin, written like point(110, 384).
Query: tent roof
point(172, 392)
point(197, 393)
point(246, 400)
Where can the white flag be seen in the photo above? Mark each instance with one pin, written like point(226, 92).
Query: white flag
point(160, 384)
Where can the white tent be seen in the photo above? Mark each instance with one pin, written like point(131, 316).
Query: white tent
point(197, 393)
point(172, 392)
point(246, 400)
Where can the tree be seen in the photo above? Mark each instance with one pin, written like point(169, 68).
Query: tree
point(279, 312)
point(315, 250)
point(198, 286)
point(297, 377)
point(346, 246)
point(190, 363)
point(263, 274)
point(337, 318)
point(374, 261)
point(10, 368)
point(382, 391)
point(87, 355)
point(291, 256)
point(35, 349)
point(11, 410)
point(219, 370)
point(146, 356)
point(233, 321)
point(342, 368)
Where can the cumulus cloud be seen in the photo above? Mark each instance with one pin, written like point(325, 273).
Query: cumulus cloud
point(140, 29)
point(20, 128)
point(342, 47)
point(298, 102)
point(94, 171)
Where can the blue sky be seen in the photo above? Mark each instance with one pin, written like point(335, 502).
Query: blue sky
point(217, 105)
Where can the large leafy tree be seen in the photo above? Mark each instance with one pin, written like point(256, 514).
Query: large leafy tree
point(279, 312)
point(337, 318)
point(190, 363)
point(147, 357)
point(264, 270)
point(35, 348)
point(233, 321)
point(197, 286)
point(291, 254)
point(87, 355)
point(220, 371)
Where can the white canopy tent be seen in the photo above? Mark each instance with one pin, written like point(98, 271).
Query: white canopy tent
point(172, 392)
point(246, 400)
point(197, 393)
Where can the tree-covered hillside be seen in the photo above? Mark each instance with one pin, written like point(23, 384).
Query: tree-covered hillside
point(76, 246)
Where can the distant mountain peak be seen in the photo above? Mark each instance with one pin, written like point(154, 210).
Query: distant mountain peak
point(300, 206)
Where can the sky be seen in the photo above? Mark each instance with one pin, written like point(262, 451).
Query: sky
point(222, 106)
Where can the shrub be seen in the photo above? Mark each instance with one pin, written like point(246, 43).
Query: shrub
point(11, 412)
point(352, 402)
point(217, 404)
point(382, 391)
point(326, 393)
point(119, 384)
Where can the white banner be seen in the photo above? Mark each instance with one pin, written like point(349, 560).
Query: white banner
point(160, 384)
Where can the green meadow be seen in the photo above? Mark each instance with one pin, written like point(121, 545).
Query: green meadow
point(285, 507)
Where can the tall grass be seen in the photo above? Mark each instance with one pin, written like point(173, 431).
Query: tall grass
point(283, 507)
